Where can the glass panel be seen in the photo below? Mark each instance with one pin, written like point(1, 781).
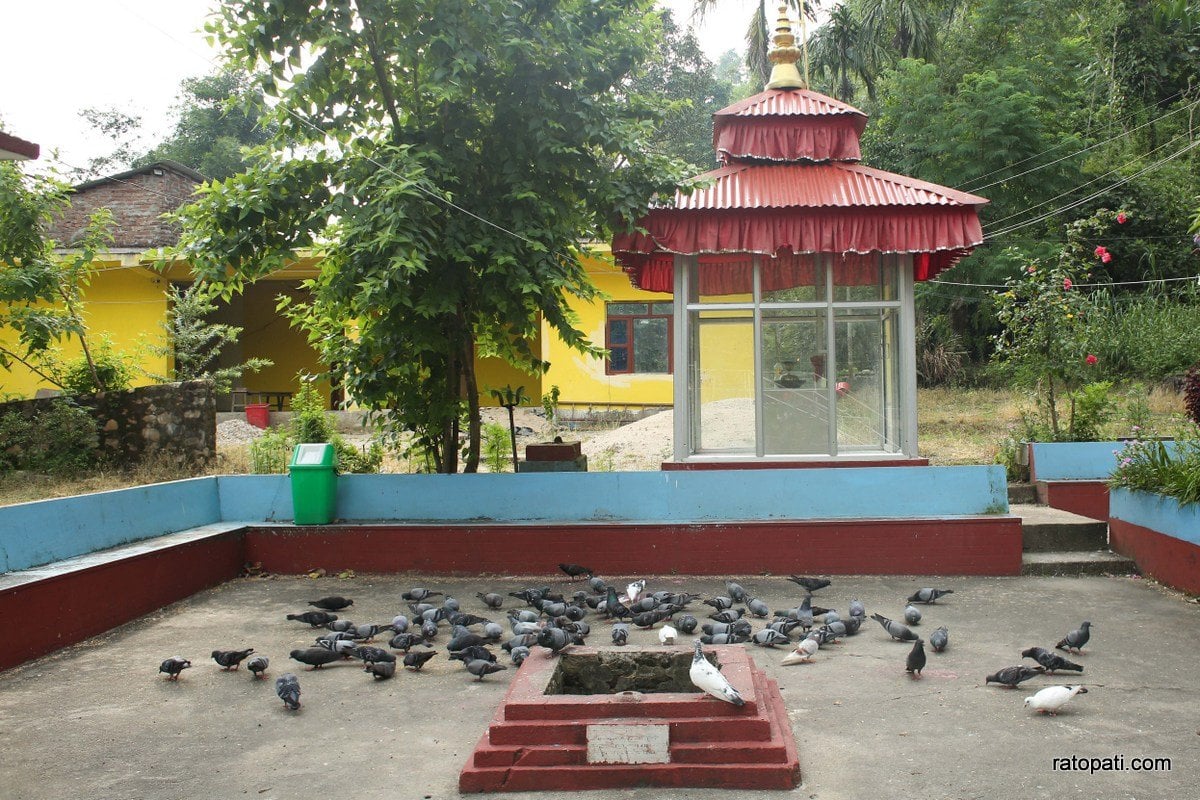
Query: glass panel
point(857, 278)
point(794, 279)
point(867, 363)
point(795, 400)
point(651, 350)
point(626, 309)
point(618, 331)
point(726, 282)
point(618, 359)
point(662, 308)
point(722, 388)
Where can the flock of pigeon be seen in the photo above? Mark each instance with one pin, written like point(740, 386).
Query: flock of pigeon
point(553, 622)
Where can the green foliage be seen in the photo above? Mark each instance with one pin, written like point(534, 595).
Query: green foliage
point(311, 423)
point(107, 370)
point(271, 452)
point(194, 344)
point(521, 114)
point(1191, 394)
point(497, 443)
point(550, 406)
point(1149, 337)
point(1010, 455)
point(368, 458)
point(1151, 467)
point(61, 439)
point(940, 352)
point(1091, 407)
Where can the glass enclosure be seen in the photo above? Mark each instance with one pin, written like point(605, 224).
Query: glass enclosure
point(793, 356)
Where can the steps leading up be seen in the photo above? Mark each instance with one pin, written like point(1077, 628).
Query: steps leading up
point(1075, 562)
point(1057, 542)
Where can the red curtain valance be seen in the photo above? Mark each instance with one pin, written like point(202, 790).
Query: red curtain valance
point(832, 138)
point(729, 275)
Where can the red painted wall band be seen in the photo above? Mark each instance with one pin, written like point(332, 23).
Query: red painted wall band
point(1166, 559)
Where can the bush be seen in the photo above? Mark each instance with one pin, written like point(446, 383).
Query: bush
point(1149, 338)
point(271, 452)
point(1191, 394)
point(112, 368)
point(61, 439)
point(940, 352)
point(310, 421)
point(1151, 467)
point(497, 447)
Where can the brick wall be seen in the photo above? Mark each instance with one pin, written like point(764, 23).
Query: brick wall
point(137, 201)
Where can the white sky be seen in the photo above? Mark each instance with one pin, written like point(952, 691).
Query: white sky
point(58, 57)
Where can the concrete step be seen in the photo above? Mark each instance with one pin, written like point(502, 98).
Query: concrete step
point(1076, 562)
point(1046, 529)
point(1022, 494)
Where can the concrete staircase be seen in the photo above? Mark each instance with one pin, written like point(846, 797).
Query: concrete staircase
point(1061, 543)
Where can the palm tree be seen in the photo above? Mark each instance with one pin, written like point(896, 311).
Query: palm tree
point(758, 34)
point(842, 50)
point(910, 24)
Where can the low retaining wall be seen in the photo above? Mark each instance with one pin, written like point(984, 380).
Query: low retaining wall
point(1158, 533)
point(1073, 476)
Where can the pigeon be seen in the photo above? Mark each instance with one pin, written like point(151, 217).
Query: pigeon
point(939, 639)
point(895, 629)
point(418, 593)
point(620, 634)
point(480, 668)
point(597, 585)
point(724, 638)
point(451, 604)
point(707, 678)
point(912, 615)
point(857, 609)
point(429, 629)
point(553, 639)
point(803, 653)
point(317, 657)
point(928, 595)
point(576, 570)
point(1051, 661)
point(314, 618)
point(740, 627)
point(407, 641)
point(468, 654)
point(382, 670)
point(519, 654)
point(852, 623)
point(757, 607)
point(466, 620)
point(173, 666)
point(1011, 676)
point(417, 659)
point(287, 686)
point(735, 590)
point(1051, 699)
point(615, 607)
point(230, 659)
point(728, 615)
point(634, 589)
point(339, 625)
point(666, 635)
point(720, 602)
point(492, 631)
point(521, 628)
point(650, 618)
point(1076, 639)
point(491, 599)
point(465, 640)
point(574, 613)
point(372, 655)
point(783, 625)
point(769, 638)
point(686, 624)
point(332, 603)
point(811, 584)
point(366, 633)
point(400, 623)
point(523, 640)
point(645, 604)
point(916, 659)
point(258, 665)
point(342, 647)
point(524, 615)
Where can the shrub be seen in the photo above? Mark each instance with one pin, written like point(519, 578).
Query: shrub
point(61, 439)
point(270, 453)
point(1191, 394)
point(497, 445)
point(112, 367)
point(940, 352)
point(1151, 467)
point(310, 421)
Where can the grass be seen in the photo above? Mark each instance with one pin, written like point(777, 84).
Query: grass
point(955, 426)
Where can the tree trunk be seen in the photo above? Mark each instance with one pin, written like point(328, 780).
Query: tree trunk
point(471, 389)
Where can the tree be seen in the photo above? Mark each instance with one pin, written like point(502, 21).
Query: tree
point(842, 49)
point(759, 33)
point(442, 158)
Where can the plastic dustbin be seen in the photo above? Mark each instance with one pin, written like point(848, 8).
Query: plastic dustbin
point(258, 415)
point(314, 483)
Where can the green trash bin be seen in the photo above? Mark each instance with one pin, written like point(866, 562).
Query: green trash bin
point(314, 483)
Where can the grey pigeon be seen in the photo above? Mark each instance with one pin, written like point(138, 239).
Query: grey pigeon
point(524, 615)
point(724, 638)
point(1051, 661)
point(740, 627)
point(491, 599)
point(735, 590)
point(173, 666)
point(928, 595)
point(720, 602)
point(597, 585)
point(316, 657)
point(465, 640)
point(400, 623)
point(811, 584)
point(1076, 639)
point(231, 659)
point(407, 641)
point(645, 604)
point(832, 616)
point(728, 615)
point(519, 654)
point(615, 607)
point(429, 629)
point(314, 618)
point(372, 655)
point(475, 653)
point(480, 668)
point(857, 609)
point(769, 638)
point(339, 625)
point(620, 634)
point(784, 625)
point(493, 631)
point(852, 623)
point(521, 640)
point(553, 639)
point(451, 604)
point(382, 670)
point(365, 633)
point(708, 679)
point(332, 603)
point(1011, 676)
point(757, 607)
point(258, 665)
point(916, 659)
point(912, 615)
point(686, 624)
point(418, 593)
point(939, 639)
point(415, 660)
point(895, 629)
point(576, 570)
point(287, 686)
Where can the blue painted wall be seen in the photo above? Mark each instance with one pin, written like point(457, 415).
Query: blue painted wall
point(1157, 512)
point(32, 534)
point(1077, 461)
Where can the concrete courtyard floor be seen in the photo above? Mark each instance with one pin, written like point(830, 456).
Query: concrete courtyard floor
point(98, 721)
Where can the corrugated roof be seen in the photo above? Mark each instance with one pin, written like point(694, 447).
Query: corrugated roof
point(788, 103)
point(836, 185)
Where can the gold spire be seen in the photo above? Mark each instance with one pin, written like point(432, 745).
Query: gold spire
point(784, 55)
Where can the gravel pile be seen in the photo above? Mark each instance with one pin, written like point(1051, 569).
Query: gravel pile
point(236, 431)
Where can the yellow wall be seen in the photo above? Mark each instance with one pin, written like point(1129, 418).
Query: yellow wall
point(580, 378)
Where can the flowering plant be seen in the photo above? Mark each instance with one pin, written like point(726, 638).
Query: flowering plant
point(1156, 467)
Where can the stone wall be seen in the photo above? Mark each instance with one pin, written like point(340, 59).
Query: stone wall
point(174, 420)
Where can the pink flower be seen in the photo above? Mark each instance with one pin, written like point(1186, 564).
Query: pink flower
point(1101, 251)
point(1107, 257)
point(1031, 269)
point(1091, 360)
point(1122, 217)
point(1067, 283)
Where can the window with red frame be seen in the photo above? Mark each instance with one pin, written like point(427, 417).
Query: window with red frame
point(638, 338)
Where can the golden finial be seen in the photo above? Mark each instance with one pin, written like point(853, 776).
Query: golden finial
point(784, 55)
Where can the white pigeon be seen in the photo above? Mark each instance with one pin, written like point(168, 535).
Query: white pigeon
point(1053, 698)
point(709, 679)
point(667, 634)
point(634, 589)
point(803, 653)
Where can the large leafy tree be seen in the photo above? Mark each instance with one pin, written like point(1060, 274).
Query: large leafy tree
point(443, 157)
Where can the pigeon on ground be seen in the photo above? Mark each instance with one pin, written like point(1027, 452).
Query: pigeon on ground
point(173, 666)
point(553, 639)
point(707, 678)
point(418, 593)
point(1051, 661)
point(314, 618)
point(857, 609)
point(1076, 639)
point(287, 686)
point(415, 660)
point(916, 659)
point(231, 659)
point(478, 652)
point(317, 657)
point(912, 615)
point(258, 665)
point(1011, 676)
point(615, 607)
point(521, 640)
point(1051, 699)
point(650, 618)
point(928, 595)
point(466, 620)
point(451, 604)
point(620, 634)
point(576, 570)
point(407, 641)
point(382, 670)
point(429, 629)
point(811, 584)
point(852, 623)
point(372, 655)
point(735, 591)
point(645, 604)
point(339, 625)
point(366, 633)
point(524, 615)
point(783, 625)
point(939, 639)
point(519, 654)
point(332, 603)
point(491, 599)
point(666, 635)
point(728, 615)
point(480, 668)
point(803, 653)
point(521, 628)
point(493, 631)
point(720, 602)
point(465, 640)
point(686, 624)
point(769, 638)
point(757, 607)
point(740, 627)
point(725, 638)
point(634, 589)
point(400, 623)
point(895, 629)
